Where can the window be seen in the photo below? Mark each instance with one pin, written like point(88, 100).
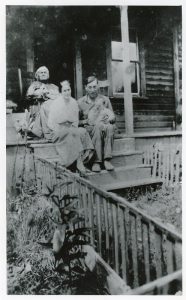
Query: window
point(117, 63)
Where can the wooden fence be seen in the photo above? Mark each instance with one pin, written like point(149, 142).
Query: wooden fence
point(137, 247)
point(166, 162)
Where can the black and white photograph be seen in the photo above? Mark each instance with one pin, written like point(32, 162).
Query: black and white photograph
point(93, 149)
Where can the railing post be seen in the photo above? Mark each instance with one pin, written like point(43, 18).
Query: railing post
point(128, 104)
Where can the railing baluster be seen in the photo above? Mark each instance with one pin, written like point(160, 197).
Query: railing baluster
point(98, 219)
point(135, 245)
point(152, 251)
point(134, 251)
point(155, 161)
point(171, 167)
point(109, 233)
point(127, 234)
point(106, 228)
point(146, 251)
point(115, 236)
point(140, 256)
point(123, 242)
point(158, 239)
point(177, 255)
point(167, 167)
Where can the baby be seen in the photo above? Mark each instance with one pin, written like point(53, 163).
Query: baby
point(100, 114)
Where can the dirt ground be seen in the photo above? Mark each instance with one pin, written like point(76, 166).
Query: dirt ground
point(30, 266)
point(164, 204)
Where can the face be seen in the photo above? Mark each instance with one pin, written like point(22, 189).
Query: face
point(92, 89)
point(66, 91)
point(43, 75)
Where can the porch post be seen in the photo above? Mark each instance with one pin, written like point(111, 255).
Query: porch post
point(176, 75)
point(128, 104)
point(78, 69)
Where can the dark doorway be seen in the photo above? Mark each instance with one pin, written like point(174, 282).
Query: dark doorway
point(56, 52)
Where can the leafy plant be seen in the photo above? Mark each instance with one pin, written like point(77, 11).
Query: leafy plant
point(69, 237)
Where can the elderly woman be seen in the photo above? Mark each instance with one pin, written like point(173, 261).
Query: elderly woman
point(40, 94)
point(72, 143)
point(40, 90)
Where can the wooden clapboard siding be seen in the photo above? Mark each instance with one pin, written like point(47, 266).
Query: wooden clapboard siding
point(156, 110)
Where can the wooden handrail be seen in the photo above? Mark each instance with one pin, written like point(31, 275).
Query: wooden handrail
point(156, 284)
point(117, 199)
point(123, 235)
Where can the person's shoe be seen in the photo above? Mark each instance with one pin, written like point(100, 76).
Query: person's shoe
point(80, 166)
point(108, 166)
point(96, 167)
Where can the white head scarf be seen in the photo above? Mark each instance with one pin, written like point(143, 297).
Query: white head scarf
point(43, 68)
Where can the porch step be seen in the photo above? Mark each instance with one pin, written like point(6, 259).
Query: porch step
point(120, 158)
point(128, 158)
point(121, 174)
point(44, 150)
point(134, 183)
point(124, 144)
point(120, 145)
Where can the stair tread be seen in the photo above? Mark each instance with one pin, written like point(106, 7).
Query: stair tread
point(126, 153)
point(123, 168)
point(121, 184)
point(43, 142)
point(114, 154)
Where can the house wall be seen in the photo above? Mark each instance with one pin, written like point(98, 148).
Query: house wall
point(154, 109)
point(19, 54)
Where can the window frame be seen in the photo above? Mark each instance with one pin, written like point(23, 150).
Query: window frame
point(137, 64)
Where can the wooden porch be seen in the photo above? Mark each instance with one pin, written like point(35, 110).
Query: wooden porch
point(84, 37)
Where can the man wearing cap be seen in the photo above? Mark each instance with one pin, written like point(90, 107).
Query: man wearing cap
point(102, 132)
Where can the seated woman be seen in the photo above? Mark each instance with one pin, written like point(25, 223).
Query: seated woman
point(40, 94)
point(72, 143)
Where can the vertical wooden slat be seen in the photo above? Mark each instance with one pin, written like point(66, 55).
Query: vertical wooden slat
point(140, 256)
point(43, 177)
point(90, 215)
point(155, 162)
point(171, 180)
point(168, 255)
point(134, 251)
point(115, 230)
point(177, 167)
point(177, 255)
point(38, 174)
point(106, 227)
point(170, 264)
point(158, 241)
point(127, 232)
point(98, 220)
point(164, 166)
point(123, 243)
point(148, 156)
point(152, 251)
point(151, 156)
point(83, 188)
point(160, 164)
point(112, 235)
point(167, 167)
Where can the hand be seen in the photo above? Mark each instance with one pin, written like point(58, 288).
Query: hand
point(85, 122)
point(112, 121)
point(105, 120)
